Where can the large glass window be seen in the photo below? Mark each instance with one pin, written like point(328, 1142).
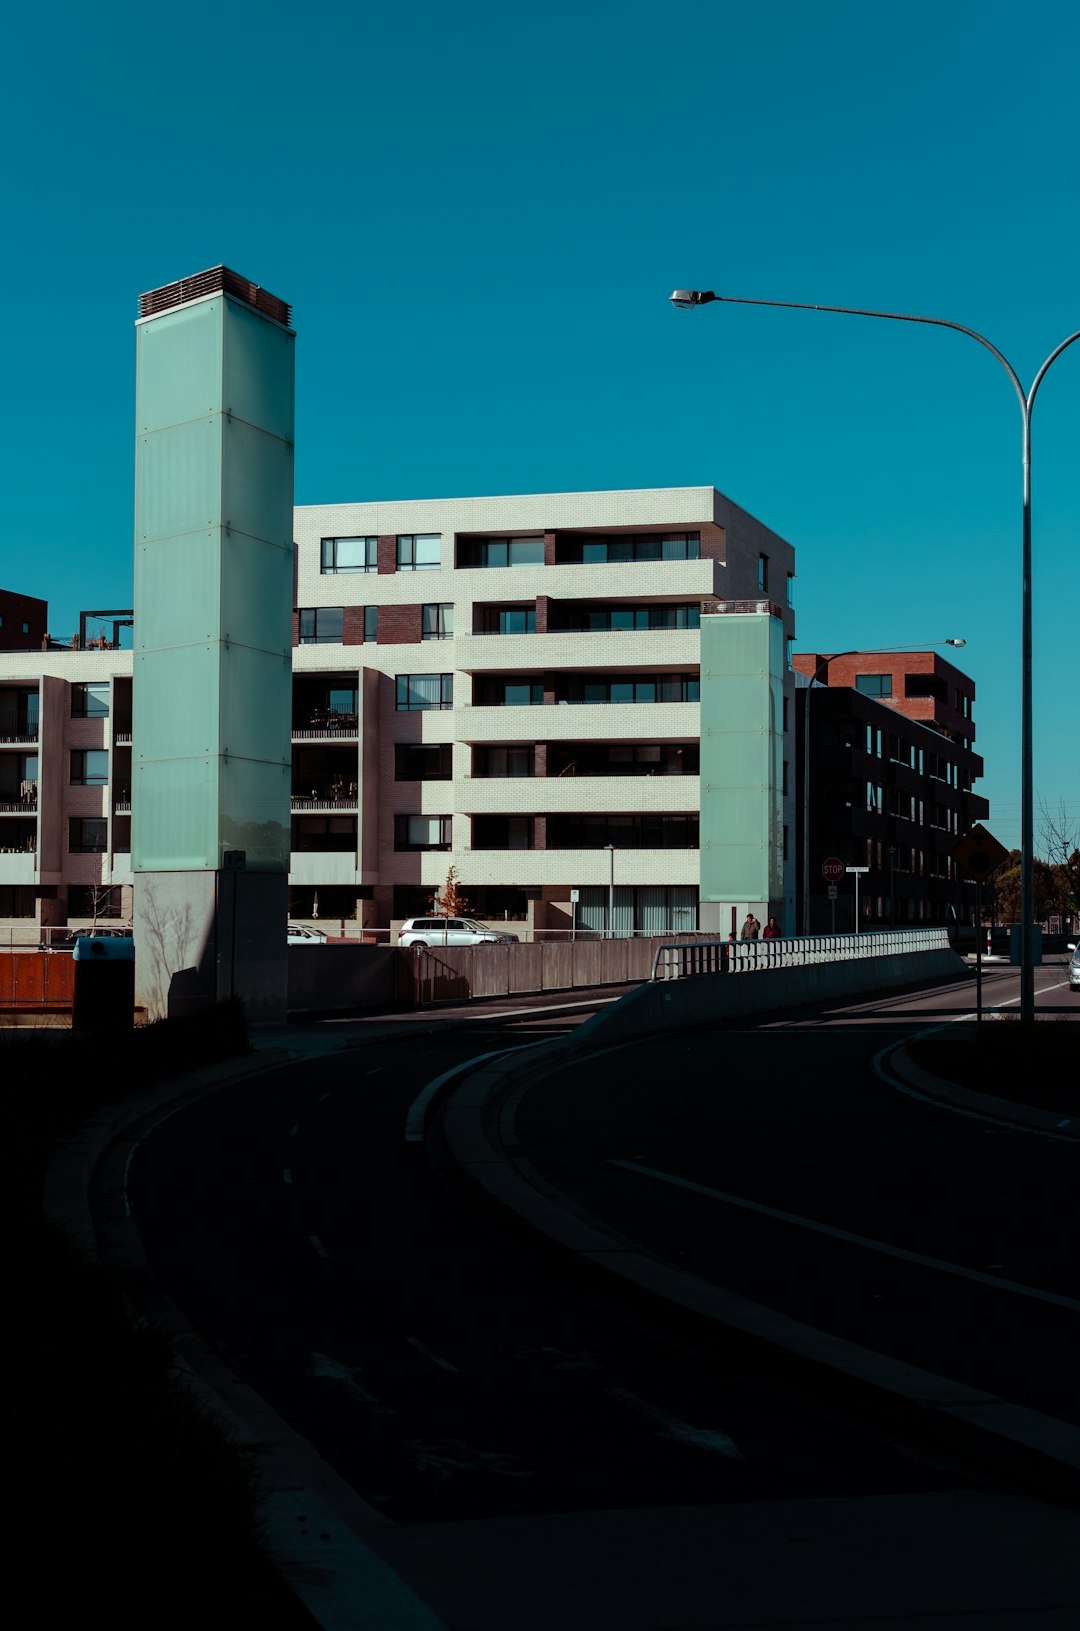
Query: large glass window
point(87, 835)
point(671, 546)
point(89, 767)
point(498, 763)
point(90, 701)
point(495, 691)
point(599, 618)
point(623, 831)
point(418, 693)
point(874, 685)
point(501, 552)
point(334, 834)
point(423, 761)
point(420, 832)
point(437, 622)
point(371, 624)
point(634, 688)
point(763, 572)
point(502, 832)
point(509, 620)
point(350, 555)
point(418, 551)
point(321, 625)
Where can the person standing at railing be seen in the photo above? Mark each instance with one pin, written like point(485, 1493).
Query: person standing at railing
point(751, 928)
point(771, 931)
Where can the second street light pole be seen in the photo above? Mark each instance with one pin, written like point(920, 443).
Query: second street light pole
point(684, 299)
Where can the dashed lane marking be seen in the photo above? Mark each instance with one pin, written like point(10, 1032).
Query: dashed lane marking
point(991, 1280)
point(700, 1438)
point(429, 1353)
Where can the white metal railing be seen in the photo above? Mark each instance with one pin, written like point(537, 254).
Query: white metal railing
point(685, 958)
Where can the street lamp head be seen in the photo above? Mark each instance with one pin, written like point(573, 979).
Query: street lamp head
point(956, 642)
point(684, 299)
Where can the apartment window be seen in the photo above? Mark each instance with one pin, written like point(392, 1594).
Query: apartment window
point(791, 588)
point(785, 724)
point(421, 832)
point(763, 573)
point(420, 693)
point(334, 835)
point(86, 835)
point(492, 692)
point(90, 701)
point(418, 551)
point(371, 624)
point(672, 546)
point(635, 688)
point(89, 767)
point(874, 685)
point(510, 620)
point(600, 618)
point(437, 622)
point(423, 761)
point(500, 763)
point(873, 798)
point(503, 552)
point(321, 625)
point(350, 555)
point(502, 832)
point(784, 784)
point(624, 831)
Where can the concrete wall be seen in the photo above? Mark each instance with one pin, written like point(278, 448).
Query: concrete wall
point(681, 1004)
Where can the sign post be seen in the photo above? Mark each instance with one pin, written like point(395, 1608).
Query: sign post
point(832, 870)
point(979, 854)
point(858, 871)
point(573, 913)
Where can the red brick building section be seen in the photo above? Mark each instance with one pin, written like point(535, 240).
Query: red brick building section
point(918, 684)
point(23, 621)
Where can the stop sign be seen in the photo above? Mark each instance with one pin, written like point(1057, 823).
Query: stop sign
point(832, 870)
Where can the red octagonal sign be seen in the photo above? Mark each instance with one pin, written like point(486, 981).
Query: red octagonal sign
point(832, 870)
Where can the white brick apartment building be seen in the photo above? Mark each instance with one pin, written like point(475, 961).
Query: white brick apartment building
point(507, 685)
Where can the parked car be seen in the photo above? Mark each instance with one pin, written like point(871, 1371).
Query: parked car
point(449, 931)
point(299, 936)
point(1074, 967)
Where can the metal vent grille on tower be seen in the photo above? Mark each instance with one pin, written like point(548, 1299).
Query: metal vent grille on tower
point(217, 280)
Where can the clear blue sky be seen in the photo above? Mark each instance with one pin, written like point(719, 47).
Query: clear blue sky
point(478, 213)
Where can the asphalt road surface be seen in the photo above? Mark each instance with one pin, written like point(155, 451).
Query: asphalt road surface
point(450, 1367)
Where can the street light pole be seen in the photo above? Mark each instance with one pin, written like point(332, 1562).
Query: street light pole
point(611, 894)
point(822, 668)
point(684, 299)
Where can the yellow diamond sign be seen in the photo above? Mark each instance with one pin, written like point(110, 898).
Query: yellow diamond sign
point(978, 853)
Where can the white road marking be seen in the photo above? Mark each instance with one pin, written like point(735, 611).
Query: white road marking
point(452, 1455)
point(286, 1176)
point(417, 1112)
point(429, 1353)
point(323, 1367)
point(845, 1234)
point(318, 1245)
point(700, 1438)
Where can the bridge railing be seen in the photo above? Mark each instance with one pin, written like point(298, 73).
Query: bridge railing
point(682, 959)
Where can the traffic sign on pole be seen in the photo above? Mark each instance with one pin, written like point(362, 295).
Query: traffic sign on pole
point(978, 853)
point(832, 869)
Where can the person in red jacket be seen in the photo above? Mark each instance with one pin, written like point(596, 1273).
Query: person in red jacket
point(771, 930)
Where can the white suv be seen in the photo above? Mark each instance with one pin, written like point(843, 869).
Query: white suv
point(448, 931)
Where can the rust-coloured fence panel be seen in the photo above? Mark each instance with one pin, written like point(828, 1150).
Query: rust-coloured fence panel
point(36, 982)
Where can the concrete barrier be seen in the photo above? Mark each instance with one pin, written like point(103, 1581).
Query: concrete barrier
point(680, 1004)
point(322, 978)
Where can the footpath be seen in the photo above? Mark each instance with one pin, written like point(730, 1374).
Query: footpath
point(974, 1559)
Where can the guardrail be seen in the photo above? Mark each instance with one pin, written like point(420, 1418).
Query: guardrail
point(682, 959)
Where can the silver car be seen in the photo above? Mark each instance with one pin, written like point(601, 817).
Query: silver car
point(449, 931)
point(1074, 968)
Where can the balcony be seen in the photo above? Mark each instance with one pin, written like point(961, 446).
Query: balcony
point(122, 730)
point(22, 802)
point(324, 725)
point(122, 801)
point(18, 727)
point(338, 796)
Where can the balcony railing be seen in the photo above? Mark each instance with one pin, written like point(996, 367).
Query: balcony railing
point(322, 723)
point(25, 804)
point(122, 801)
point(15, 727)
point(339, 796)
point(122, 729)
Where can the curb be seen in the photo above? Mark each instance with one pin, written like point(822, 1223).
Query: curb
point(1038, 1448)
point(311, 1522)
point(913, 1078)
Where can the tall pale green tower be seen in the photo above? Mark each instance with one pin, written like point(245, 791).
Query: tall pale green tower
point(212, 643)
point(743, 663)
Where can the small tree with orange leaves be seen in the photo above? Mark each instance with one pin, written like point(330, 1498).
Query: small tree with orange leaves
point(450, 902)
